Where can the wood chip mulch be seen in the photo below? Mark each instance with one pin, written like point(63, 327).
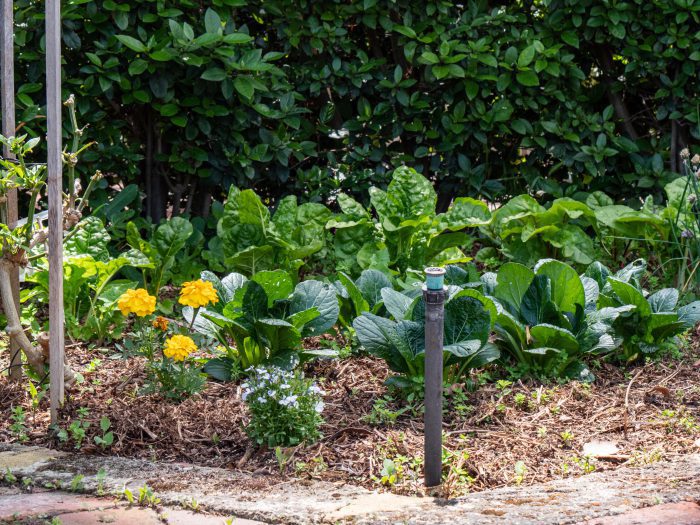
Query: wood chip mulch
point(500, 434)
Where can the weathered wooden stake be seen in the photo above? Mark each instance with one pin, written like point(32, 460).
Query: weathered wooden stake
point(55, 198)
point(7, 52)
point(434, 297)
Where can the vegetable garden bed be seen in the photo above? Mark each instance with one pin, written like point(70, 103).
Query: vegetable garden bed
point(501, 434)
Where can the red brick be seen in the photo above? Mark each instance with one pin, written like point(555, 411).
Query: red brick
point(31, 504)
point(118, 516)
point(186, 517)
point(684, 513)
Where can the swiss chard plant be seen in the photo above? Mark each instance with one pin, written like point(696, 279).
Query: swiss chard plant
point(649, 322)
point(401, 341)
point(548, 321)
point(251, 239)
point(90, 289)
point(405, 231)
point(162, 250)
point(528, 231)
point(263, 320)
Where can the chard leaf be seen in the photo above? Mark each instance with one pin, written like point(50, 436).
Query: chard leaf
point(276, 283)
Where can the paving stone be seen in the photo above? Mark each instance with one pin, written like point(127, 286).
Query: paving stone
point(50, 503)
point(683, 513)
point(27, 459)
point(186, 517)
point(118, 516)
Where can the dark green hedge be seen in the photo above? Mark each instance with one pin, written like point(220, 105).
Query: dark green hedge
point(486, 98)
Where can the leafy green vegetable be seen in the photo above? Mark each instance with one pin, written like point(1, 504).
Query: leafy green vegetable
point(252, 240)
point(263, 320)
point(649, 323)
point(162, 251)
point(543, 323)
point(401, 342)
point(407, 232)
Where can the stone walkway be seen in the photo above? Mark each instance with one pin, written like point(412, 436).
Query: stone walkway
point(662, 493)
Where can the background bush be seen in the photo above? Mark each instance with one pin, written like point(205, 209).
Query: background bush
point(307, 97)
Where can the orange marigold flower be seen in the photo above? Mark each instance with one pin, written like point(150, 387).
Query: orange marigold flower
point(198, 293)
point(137, 302)
point(161, 323)
point(178, 347)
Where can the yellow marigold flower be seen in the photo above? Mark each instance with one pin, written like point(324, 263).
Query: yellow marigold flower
point(178, 347)
point(160, 323)
point(198, 293)
point(137, 302)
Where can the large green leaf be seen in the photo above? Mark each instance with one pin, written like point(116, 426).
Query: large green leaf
point(410, 195)
point(537, 301)
point(628, 294)
point(89, 238)
point(396, 303)
point(547, 335)
point(370, 285)
point(170, 237)
point(276, 283)
point(689, 315)
point(359, 303)
point(567, 289)
point(664, 300)
point(315, 294)
point(513, 280)
point(466, 319)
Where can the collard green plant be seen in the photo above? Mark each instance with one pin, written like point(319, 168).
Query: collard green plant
point(650, 321)
point(401, 341)
point(548, 321)
point(407, 233)
point(263, 320)
point(360, 296)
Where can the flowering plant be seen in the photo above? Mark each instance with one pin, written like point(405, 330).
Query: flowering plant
point(285, 408)
point(170, 368)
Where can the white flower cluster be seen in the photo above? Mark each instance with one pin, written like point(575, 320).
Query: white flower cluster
point(274, 385)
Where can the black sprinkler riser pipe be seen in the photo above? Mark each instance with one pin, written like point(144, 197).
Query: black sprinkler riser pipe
point(434, 330)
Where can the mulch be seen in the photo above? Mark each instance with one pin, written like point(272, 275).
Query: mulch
point(500, 434)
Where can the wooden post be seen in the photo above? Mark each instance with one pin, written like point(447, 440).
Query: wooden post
point(55, 198)
point(7, 52)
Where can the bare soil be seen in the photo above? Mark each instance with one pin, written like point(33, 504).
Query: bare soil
point(498, 435)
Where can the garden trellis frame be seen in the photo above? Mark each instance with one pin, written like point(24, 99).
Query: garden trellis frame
point(54, 183)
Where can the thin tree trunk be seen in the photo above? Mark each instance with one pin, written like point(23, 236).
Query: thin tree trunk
point(36, 358)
